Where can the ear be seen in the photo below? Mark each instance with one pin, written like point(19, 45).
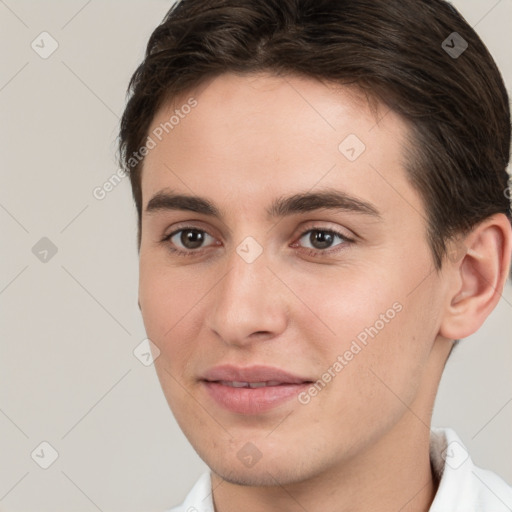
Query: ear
point(476, 269)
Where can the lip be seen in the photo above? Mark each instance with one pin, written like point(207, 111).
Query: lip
point(245, 400)
point(255, 373)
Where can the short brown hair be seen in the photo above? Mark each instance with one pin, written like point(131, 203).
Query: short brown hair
point(397, 51)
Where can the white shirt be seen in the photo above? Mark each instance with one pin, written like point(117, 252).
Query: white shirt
point(463, 487)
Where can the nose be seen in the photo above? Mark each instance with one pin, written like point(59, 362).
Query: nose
point(248, 304)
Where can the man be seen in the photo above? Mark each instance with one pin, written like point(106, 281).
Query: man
point(321, 191)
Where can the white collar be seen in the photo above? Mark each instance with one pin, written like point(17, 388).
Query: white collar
point(464, 487)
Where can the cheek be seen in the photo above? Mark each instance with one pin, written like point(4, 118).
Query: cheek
point(168, 298)
point(346, 304)
point(379, 336)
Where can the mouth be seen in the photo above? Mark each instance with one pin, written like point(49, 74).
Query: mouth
point(251, 390)
point(252, 385)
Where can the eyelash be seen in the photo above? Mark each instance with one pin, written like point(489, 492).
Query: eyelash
point(309, 252)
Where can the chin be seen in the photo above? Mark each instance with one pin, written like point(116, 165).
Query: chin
point(248, 479)
point(268, 473)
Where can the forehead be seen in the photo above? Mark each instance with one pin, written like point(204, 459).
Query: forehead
point(248, 136)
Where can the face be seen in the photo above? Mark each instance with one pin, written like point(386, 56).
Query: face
point(293, 301)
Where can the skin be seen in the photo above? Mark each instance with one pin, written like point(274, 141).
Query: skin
point(362, 442)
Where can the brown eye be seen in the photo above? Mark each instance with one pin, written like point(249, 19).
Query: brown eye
point(188, 239)
point(191, 238)
point(321, 239)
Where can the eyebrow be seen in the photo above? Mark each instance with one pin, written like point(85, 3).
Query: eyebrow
point(330, 199)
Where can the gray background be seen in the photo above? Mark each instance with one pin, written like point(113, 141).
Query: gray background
point(69, 325)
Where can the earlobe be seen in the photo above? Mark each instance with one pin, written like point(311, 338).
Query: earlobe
point(477, 276)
